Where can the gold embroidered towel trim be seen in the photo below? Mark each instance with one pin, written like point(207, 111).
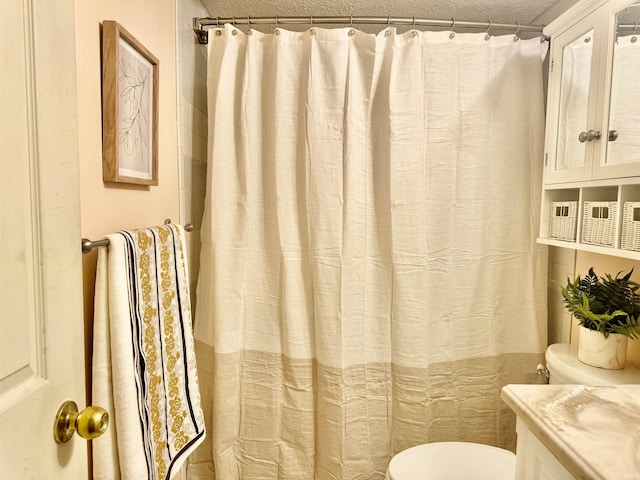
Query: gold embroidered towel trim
point(157, 416)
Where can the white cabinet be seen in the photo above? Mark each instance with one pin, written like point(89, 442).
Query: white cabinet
point(534, 461)
point(569, 431)
point(592, 148)
point(593, 110)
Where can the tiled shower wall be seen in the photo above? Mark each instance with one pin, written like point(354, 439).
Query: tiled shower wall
point(192, 127)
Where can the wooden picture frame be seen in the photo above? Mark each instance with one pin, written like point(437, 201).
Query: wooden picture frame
point(129, 108)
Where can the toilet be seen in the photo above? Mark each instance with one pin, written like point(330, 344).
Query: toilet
point(563, 367)
point(442, 460)
point(453, 461)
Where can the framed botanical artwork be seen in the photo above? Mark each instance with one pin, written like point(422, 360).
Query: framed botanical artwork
point(129, 108)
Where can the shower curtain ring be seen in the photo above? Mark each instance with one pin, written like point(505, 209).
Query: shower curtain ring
point(388, 21)
point(414, 22)
point(515, 37)
point(351, 21)
point(635, 28)
point(453, 25)
point(487, 36)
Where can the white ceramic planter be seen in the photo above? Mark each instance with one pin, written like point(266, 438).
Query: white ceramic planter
point(597, 351)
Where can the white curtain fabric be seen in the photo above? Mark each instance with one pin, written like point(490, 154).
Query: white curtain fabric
point(369, 273)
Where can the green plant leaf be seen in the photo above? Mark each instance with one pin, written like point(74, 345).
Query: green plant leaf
point(606, 304)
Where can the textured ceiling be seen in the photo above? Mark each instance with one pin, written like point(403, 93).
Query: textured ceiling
point(498, 11)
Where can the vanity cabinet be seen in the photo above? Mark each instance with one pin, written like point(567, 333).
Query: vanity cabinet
point(592, 141)
point(534, 461)
point(568, 432)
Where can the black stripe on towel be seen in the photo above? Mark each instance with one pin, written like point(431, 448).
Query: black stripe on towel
point(136, 343)
point(182, 327)
point(182, 451)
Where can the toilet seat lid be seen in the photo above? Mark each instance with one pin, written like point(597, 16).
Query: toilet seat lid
point(453, 461)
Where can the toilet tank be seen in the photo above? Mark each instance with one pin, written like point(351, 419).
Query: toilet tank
point(564, 367)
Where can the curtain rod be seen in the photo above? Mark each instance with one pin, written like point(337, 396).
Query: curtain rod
point(200, 23)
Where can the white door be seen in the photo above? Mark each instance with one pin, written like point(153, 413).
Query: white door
point(41, 323)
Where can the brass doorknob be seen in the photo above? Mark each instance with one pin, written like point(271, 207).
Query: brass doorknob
point(89, 423)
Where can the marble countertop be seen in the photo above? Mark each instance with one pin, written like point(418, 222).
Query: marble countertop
point(593, 431)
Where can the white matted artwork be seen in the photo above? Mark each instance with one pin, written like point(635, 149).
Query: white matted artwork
point(129, 106)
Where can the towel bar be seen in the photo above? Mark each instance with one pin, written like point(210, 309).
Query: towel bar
point(88, 245)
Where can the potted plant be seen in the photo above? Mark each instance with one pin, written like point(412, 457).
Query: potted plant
point(608, 311)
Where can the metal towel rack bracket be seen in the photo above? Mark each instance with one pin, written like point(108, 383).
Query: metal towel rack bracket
point(88, 245)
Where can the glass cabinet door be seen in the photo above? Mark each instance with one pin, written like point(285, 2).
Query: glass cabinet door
point(623, 136)
point(573, 114)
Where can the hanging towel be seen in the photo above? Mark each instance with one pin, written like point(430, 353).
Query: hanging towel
point(144, 370)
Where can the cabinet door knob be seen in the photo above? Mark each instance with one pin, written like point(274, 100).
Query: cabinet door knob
point(613, 135)
point(589, 136)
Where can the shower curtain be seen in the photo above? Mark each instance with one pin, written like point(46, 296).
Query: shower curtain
point(369, 273)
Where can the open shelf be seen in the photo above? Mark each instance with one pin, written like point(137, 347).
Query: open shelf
point(596, 214)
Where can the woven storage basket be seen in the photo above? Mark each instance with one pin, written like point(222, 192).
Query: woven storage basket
point(630, 227)
point(599, 223)
point(562, 220)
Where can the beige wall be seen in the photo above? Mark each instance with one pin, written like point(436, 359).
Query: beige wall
point(562, 265)
point(107, 208)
